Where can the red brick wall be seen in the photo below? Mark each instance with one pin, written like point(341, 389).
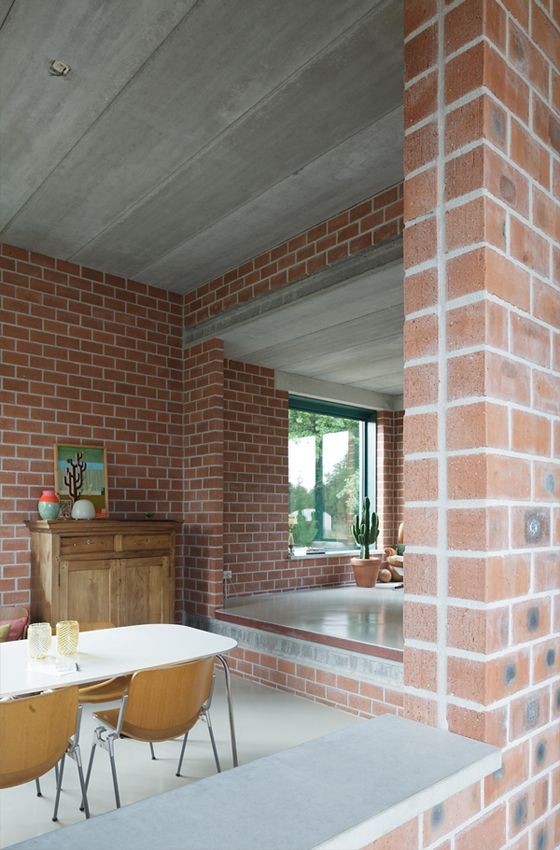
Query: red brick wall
point(256, 567)
point(86, 356)
point(327, 687)
point(236, 486)
point(203, 472)
point(482, 397)
point(255, 480)
point(368, 223)
point(398, 466)
point(256, 488)
point(390, 505)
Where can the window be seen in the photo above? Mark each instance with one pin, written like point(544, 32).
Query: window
point(331, 458)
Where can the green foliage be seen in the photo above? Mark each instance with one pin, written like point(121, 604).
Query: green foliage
point(304, 532)
point(335, 493)
point(304, 424)
point(365, 530)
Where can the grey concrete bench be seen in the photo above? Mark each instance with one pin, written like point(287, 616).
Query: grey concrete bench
point(339, 791)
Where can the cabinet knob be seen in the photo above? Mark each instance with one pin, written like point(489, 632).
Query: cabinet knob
point(88, 541)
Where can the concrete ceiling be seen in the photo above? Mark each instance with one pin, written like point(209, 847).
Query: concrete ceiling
point(191, 135)
point(351, 334)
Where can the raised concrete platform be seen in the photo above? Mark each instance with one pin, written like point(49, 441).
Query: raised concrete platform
point(384, 672)
point(338, 792)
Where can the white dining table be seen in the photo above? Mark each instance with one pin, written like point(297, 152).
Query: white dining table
point(105, 653)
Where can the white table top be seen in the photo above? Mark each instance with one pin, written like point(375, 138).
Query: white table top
point(106, 653)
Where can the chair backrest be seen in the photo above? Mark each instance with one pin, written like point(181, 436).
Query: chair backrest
point(34, 734)
point(166, 702)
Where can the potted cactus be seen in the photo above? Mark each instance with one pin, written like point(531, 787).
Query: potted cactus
point(365, 530)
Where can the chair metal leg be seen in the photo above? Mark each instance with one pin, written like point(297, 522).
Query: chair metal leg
point(58, 788)
point(114, 772)
point(212, 741)
point(38, 788)
point(90, 762)
point(88, 772)
point(230, 710)
point(182, 754)
point(76, 755)
point(107, 743)
point(152, 751)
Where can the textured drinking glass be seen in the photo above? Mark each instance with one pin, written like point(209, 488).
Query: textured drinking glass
point(67, 634)
point(39, 640)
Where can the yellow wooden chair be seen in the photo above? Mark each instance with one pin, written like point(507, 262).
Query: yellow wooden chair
point(161, 704)
point(108, 690)
point(36, 733)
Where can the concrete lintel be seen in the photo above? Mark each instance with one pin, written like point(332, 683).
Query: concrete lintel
point(329, 391)
point(386, 254)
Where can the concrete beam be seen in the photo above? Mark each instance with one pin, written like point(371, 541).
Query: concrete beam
point(329, 391)
point(386, 254)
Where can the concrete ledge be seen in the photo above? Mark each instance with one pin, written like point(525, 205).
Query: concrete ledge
point(338, 792)
point(385, 672)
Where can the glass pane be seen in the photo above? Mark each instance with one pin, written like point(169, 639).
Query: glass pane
point(324, 480)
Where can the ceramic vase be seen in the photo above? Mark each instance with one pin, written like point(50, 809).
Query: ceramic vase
point(48, 505)
point(83, 509)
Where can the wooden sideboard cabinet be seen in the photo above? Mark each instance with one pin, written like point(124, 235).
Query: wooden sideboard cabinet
point(102, 570)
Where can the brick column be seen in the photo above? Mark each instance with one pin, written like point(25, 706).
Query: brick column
point(203, 410)
point(482, 390)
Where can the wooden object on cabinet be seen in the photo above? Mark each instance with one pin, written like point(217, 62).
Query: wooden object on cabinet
point(119, 571)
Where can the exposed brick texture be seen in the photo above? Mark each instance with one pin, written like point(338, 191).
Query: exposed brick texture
point(368, 223)
point(329, 688)
point(390, 504)
point(87, 357)
point(482, 404)
point(203, 410)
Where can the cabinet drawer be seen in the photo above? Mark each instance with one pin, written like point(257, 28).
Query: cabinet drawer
point(88, 543)
point(145, 542)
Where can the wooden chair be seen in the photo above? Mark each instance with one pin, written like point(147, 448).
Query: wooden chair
point(109, 690)
point(36, 733)
point(161, 704)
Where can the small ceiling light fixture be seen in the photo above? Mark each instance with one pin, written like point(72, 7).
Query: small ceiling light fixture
point(57, 68)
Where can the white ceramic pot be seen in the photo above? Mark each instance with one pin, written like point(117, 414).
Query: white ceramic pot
point(83, 509)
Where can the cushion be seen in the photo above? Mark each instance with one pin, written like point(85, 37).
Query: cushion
point(17, 627)
point(4, 631)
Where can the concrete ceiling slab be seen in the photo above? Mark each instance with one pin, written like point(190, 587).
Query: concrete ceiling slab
point(191, 135)
point(318, 190)
point(180, 118)
point(42, 117)
point(350, 334)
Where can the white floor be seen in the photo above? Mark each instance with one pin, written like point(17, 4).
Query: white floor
point(266, 720)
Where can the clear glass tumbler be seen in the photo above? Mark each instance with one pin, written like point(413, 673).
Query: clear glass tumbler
point(67, 637)
point(39, 637)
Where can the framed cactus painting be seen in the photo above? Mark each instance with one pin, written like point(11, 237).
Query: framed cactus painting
point(80, 472)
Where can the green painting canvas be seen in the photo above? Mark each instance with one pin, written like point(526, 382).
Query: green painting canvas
point(81, 471)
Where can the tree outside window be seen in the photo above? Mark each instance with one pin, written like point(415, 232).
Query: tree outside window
point(326, 473)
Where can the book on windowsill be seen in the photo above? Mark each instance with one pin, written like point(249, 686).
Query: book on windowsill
point(313, 551)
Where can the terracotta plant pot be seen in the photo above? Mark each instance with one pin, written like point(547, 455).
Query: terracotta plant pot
point(366, 570)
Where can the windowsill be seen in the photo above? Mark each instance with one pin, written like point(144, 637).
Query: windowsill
point(333, 553)
point(391, 770)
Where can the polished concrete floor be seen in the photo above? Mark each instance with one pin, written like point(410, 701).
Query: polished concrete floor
point(367, 615)
point(267, 721)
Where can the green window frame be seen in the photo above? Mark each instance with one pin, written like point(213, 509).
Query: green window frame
point(365, 457)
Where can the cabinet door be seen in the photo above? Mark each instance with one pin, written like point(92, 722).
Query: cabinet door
point(145, 590)
point(88, 591)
